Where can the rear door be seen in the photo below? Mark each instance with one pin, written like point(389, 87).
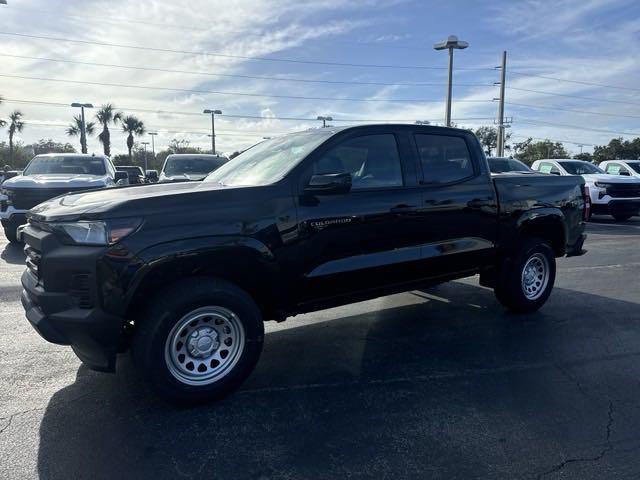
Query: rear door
point(366, 238)
point(459, 207)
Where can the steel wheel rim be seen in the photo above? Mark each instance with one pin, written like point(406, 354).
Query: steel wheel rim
point(204, 345)
point(535, 276)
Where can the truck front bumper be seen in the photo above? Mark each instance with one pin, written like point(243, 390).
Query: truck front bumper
point(93, 334)
point(11, 218)
point(617, 207)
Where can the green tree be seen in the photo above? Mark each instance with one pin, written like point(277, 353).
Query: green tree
point(586, 156)
point(75, 129)
point(530, 151)
point(107, 115)
point(16, 125)
point(488, 137)
point(133, 126)
point(176, 145)
point(617, 149)
point(49, 146)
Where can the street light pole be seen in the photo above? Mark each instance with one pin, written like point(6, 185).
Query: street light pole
point(153, 144)
point(83, 134)
point(213, 127)
point(325, 120)
point(145, 155)
point(450, 44)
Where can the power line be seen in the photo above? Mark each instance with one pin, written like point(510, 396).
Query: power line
point(253, 77)
point(257, 117)
point(238, 57)
point(542, 92)
point(579, 82)
point(542, 107)
point(244, 94)
point(577, 127)
point(553, 140)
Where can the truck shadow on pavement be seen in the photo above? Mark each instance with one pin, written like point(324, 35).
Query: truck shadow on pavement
point(451, 386)
point(13, 253)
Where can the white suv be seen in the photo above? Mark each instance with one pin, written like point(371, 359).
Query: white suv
point(613, 195)
point(50, 175)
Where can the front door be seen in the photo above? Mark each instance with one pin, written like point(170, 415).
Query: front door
point(362, 239)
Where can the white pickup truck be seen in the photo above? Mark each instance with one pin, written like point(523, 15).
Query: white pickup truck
point(627, 168)
point(618, 196)
point(50, 175)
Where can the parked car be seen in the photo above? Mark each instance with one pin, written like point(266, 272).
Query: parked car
point(186, 167)
point(134, 173)
point(47, 176)
point(185, 273)
point(507, 165)
point(151, 176)
point(610, 195)
point(6, 173)
point(627, 168)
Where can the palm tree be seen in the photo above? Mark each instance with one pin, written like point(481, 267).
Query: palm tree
point(132, 126)
point(75, 129)
point(106, 115)
point(16, 125)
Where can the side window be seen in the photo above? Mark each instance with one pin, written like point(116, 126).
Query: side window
point(372, 160)
point(444, 158)
point(614, 169)
point(545, 167)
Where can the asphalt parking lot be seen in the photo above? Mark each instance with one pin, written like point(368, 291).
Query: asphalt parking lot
point(441, 383)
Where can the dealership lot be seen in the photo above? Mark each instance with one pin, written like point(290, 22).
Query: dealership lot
point(440, 383)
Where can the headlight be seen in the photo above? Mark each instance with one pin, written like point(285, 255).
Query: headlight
point(97, 232)
point(602, 185)
point(7, 193)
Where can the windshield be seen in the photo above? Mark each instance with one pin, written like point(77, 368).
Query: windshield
point(65, 165)
point(580, 168)
point(269, 161)
point(502, 165)
point(181, 165)
point(635, 166)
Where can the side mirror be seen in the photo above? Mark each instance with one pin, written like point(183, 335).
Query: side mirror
point(121, 177)
point(329, 184)
point(152, 175)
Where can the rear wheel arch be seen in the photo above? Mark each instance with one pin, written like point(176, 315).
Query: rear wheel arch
point(550, 228)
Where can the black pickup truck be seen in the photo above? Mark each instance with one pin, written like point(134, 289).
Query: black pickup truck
point(184, 274)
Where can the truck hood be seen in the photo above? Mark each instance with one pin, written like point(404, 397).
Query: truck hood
point(120, 201)
point(57, 181)
point(184, 177)
point(605, 178)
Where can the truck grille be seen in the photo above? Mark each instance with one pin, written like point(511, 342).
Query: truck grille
point(32, 260)
point(619, 190)
point(27, 198)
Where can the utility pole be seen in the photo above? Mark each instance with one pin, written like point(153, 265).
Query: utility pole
point(145, 155)
point(450, 44)
point(153, 144)
point(83, 133)
point(213, 127)
point(325, 120)
point(501, 135)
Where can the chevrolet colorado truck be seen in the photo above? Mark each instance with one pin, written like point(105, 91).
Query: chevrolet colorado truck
point(184, 274)
point(47, 176)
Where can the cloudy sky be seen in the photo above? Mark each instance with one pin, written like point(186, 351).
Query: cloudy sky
point(270, 65)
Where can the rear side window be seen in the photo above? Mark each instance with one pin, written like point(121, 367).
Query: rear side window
point(548, 168)
point(372, 160)
point(444, 158)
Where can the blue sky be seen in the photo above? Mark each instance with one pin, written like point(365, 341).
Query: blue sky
point(575, 43)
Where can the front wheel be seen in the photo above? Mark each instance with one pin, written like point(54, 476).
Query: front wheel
point(198, 340)
point(11, 235)
point(526, 280)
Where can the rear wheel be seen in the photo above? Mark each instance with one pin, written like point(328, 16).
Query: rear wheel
point(622, 218)
point(526, 280)
point(11, 234)
point(199, 340)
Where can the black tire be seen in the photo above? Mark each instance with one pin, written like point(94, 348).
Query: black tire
point(171, 306)
point(11, 235)
point(510, 285)
point(622, 218)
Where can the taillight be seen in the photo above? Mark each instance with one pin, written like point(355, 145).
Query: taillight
point(586, 212)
